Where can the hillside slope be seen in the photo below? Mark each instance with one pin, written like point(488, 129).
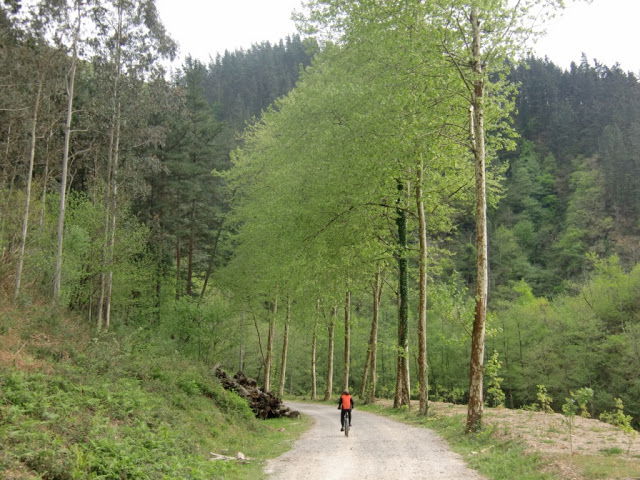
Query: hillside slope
point(118, 406)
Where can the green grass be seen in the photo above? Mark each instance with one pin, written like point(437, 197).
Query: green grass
point(495, 458)
point(117, 407)
point(610, 467)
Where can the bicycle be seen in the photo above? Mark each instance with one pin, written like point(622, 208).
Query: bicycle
point(345, 424)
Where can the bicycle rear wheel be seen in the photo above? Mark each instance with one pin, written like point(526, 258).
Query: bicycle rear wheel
point(345, 425)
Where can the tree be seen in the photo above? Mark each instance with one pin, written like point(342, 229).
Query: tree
point(72, 24)
point(137, 22)
point(478, 36)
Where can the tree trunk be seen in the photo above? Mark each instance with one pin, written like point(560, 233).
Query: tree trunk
point(192, 234)
point(7, 162)
point(475, 407)
point(107, 236)
point(331, 330)
point(269, 354)
point(27, 204)
point(211, 260)
point(314, 354)
point(71, 81)
point(178, 255)
point(5, 181)
point(369, 377)
point(112, 232)
point(285, 350)
point(347, 340)
point(402, 394)
point(423, 373)
point(45, 180)
point(112, 207)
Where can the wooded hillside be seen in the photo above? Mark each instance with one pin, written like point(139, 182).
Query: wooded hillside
point(307, 211)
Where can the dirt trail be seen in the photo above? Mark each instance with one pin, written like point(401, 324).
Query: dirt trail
point(377, 449)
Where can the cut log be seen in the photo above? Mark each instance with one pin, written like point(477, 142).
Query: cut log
point(263, 404)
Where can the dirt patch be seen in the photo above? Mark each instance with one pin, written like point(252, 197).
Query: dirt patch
point(14, 352)
point(547, 434)
point(36, 337)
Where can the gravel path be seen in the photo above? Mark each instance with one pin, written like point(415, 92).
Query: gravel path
point(377, 449)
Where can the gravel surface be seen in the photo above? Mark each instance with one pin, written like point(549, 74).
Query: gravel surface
point(377, 449)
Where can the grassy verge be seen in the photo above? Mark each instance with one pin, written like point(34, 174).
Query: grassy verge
point(116, 406)
point(496, 458)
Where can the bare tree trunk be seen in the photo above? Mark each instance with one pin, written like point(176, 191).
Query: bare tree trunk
point(112, 207)
point(402, 394)
point(331, 331)
point(269, 355)
point(107, 226)
point(475, 407)
point(314, 354)
point(369, 377)
point(423, 374)
point(285, 350)
point(347, 340)
point(45, 181)
point(112, 232)
point(71, 81)
point(27, 204)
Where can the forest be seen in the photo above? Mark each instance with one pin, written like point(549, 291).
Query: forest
point(311, 211)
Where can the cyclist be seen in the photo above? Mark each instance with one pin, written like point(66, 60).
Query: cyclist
point(345, 405)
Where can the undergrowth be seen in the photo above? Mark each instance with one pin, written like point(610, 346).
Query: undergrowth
point(118, 406)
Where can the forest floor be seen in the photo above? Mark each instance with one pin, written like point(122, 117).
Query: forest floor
point(600, 450)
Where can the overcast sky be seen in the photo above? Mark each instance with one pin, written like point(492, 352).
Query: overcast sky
point(604, 30)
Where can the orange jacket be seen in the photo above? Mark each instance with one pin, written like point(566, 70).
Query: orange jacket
point(345, 402)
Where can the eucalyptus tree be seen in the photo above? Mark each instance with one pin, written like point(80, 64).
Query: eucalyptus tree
point(67, 32)
point(31, 60)
point(32, 154)
point(132, 40)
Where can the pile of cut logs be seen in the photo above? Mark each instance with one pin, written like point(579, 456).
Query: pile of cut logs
point(264, 404)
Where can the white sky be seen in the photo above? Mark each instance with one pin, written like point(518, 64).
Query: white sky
point(604, 30)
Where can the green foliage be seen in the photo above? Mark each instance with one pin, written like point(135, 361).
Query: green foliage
point(569, 410)
point(125, 407)
point(583, 338)
point(618, 418)
point(583, 397)
point(495, 395)
point(544, 399)
point(576, 404)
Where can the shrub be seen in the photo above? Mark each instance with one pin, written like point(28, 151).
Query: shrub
point(495, 395)
point(544, 399)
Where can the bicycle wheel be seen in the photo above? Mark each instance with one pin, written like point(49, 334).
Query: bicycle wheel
point(345, 424)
